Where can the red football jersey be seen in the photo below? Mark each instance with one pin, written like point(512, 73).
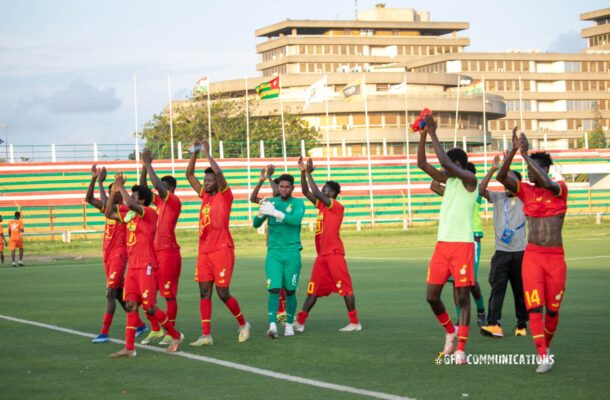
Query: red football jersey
point(140, 236)
point(114, 239)
point(328, 225)
point(168, 211)
point(540, 202)
point(214, 232)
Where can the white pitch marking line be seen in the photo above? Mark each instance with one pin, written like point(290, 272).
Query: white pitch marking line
point(228, 364)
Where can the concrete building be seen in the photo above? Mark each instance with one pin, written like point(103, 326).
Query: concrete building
point(598, 36)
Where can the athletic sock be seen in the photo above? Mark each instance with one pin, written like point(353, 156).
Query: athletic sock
point(107, 323)
point(272, 303)
point(445, 320)
point(233, 306)
point(480, 304)
point(550, 326)
point(282, 306)
point(457, 314)
point(462, 337)
point(168, 325)
point(291, 308)
point(172, 309)
point(130, 330)
point(205, 312)
point(154, 325)
point(302, 317)
point(139, 321)
point(353, 317)
point(537, 331)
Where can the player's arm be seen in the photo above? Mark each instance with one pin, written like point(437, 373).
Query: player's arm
point(119, 181)
point(509, 181)
point(190, 169)
point(485, 182)
point(100, 185)
point(314, 188)
point(296, 217)
point(467, 177)
point(257, 221)
point(422, 161)
point(222, 182)
point(110, 211)
point(274, 187)
point(143, 181)
point(304, 181)
point(254, 195)
point(95, 172)
point(541, 175)
point(147, 159)
point(4, 238)
point(437, 187)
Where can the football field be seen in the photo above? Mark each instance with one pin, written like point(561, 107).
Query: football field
point(393, 357)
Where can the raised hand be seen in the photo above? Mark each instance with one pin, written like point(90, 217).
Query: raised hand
point(263, 174)
point(524, 147)
point(270, 170)
point(119, 182)
point(95, 172)
point(310, 166)
point(516, 140)
point(147, 156)
point(302, 164)
point(430, 124)
point(102, 175)
point(495, 164)
point(206, 148)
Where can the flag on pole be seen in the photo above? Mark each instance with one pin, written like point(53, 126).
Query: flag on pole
point(315, 93)
point(202, 87)
point(352, 90)
point(399, 88)
point(269, 89)
point(473, 89)
point(1, 141)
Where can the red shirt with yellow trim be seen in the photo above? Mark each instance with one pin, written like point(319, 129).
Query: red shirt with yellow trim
point(540, 202)
point(168, 211)
point(140, 236)
point(214, 233)
point(328, 225)
point(114, 243)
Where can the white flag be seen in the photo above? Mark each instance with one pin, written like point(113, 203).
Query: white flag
point(202, 87)
point(400, 88)
point(315, 93)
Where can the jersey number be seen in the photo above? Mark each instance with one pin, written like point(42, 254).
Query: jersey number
point(533, 298)
point(310, 288)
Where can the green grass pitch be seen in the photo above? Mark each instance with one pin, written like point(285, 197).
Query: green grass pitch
point(394, 353)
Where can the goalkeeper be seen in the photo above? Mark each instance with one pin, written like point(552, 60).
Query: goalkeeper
point(284, 214)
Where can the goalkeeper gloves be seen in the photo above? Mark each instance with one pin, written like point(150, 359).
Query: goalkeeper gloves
point(267, 208)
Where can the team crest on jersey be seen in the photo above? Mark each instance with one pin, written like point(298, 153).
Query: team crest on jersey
point(204, 219)
point(289, 208)
point(463, 270)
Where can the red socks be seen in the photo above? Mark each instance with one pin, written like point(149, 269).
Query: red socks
point(462, 337)
point(154, 325)
point(130, 330)
point(172, 309)
point(205, 311)
point(139, 322)
point(233, 306)
point(166, 323)
point(445, 320)
point(107, 323)
point(353, 317)
point(550, 326)
point(537, 331)
point(302, 317)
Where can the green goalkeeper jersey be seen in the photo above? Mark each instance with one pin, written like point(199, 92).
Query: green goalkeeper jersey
point(284, 235)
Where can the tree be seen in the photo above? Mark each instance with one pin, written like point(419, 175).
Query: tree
point(190, 123)
point(596, 136)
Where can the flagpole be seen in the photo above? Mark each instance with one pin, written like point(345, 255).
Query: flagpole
point(171, 124)
point(248, 147)
point(137, 144)
point(368, 149)
point(327, 128)
point(209, 115)
point(408, 153)
point(457, 107)
point(283, 128)
point(521, 119)
point(485, 136)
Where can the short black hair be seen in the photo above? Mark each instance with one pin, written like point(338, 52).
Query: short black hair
point(518, 174)
point(286, 177)
point(17, 214)
point(334, 186)
point(144, 193)
point(470, 167)
point(209, 170)
point(459, 156)
point(276, 181)
point(543, 157)
point(171, 180)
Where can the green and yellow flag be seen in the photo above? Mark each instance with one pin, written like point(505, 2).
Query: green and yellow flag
point(269, 90)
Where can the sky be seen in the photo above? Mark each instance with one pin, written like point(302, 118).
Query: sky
point(67, 67)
